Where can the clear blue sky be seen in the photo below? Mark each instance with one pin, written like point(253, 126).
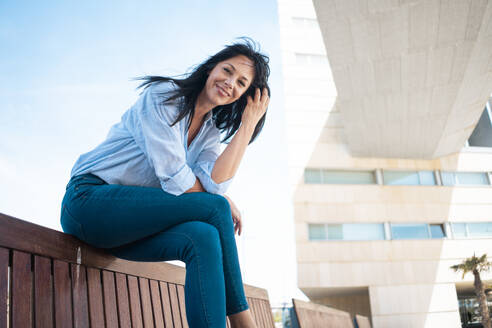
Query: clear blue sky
point(65, 70)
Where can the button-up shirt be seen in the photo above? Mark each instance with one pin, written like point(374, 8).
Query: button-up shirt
point(145, 150)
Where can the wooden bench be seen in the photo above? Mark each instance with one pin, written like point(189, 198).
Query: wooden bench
point(51, 278)
point(312, 315)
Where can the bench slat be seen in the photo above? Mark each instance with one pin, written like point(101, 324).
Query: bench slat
point(63, 294)
point(265, 306)
point(146, 303)
point(79, 288)
point(21, 290)
point(4, 285)
point(43, 293)
point(173, 295)
point(253, 310)
point(258, 309)
point(109, 295)
point(96, 308)
point(135, 307)
point(156, 303)
point(123, 302)
point(182, 306)
point(270, 313)
point(264, 312)
point(166, 304)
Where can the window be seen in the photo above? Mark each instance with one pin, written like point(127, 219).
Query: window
point(427, 178)
point(350, 231)
point(317, 232)
point(464, 178)
point(409, 231)
point(312, 176)
point(437, 231)
point(459, 230)
point(339, 176)
point(480, 229)
point(348, 177)
point(363, 231)
point(417, 231)
point(399, 231)
point(335, 231)
point(472, 230)
point(392, 178)
point(482, 134)
point(410, 178)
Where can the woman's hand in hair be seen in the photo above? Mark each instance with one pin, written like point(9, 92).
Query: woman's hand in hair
point(256, 107)
point(236, 216)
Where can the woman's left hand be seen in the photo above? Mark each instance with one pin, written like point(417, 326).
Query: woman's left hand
point(256, 107)
point(236, 216)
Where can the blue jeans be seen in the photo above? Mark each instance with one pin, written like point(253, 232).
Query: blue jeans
point(148, 224)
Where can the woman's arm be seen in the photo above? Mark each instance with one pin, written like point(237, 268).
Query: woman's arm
point(227, 163)
point(197, 187)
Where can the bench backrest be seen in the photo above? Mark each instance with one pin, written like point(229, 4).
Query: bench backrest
point(48, 277)
point(312, 315)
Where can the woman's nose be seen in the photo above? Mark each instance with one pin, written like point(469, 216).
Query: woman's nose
point(229, 83)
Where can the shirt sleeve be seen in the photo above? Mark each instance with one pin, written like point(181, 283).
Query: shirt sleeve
point(204, 165)
point(149, 123)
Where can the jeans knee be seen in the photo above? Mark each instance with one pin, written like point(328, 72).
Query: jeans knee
point(221, 204)
point(204, 240)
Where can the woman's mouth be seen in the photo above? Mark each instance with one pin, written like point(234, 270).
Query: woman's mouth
point(222, 92)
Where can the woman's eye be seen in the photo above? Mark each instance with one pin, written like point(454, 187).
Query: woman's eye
point(226, 69)
point(241, 83)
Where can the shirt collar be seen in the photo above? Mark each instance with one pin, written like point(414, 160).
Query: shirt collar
point(208, 117)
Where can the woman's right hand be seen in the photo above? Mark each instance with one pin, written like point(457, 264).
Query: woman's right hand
point(256, 108)
point(236, 216)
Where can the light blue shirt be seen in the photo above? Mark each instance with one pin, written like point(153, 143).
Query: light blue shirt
point(144, 150)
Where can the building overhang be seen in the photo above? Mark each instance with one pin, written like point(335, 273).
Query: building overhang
point(412, 76)
point(314, 293)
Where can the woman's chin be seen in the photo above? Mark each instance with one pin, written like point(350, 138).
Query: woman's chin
point(222, 102)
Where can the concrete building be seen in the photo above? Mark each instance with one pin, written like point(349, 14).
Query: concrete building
point(389, 166)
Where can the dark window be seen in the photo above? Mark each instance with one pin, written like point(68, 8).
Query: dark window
point(437, 231)
point(482, 135)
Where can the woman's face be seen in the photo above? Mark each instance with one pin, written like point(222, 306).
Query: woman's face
point(229, 79)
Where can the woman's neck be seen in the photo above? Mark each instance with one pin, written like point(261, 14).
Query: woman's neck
point(202, 105)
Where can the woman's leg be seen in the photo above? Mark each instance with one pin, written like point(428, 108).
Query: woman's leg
point(109, 216)
point(198, 245)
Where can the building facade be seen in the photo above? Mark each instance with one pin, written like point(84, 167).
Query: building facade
point(377, 229)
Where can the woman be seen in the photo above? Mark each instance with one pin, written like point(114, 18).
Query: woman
point(152, 191)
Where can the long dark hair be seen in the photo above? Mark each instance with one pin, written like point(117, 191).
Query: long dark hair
point(227, 117)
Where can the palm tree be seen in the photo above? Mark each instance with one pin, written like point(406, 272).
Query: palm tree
point(476, 265)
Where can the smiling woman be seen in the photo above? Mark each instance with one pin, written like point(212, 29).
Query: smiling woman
point(152, 191)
